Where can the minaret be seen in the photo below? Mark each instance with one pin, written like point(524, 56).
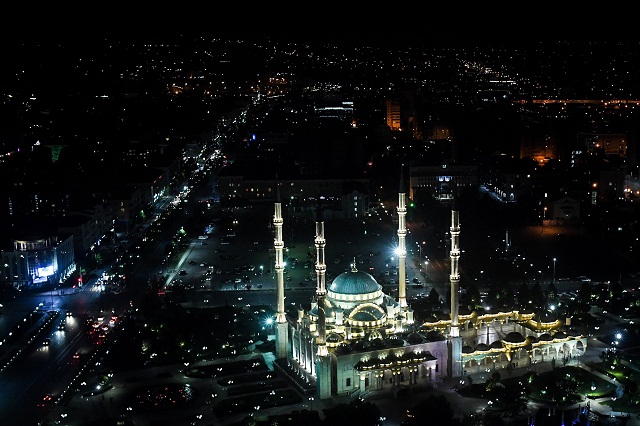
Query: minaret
point(454, 343)
point(322, 359)
point(507, 242)
point(402, 247)
point(454, 277)
point(321, 290)
point(278, 244)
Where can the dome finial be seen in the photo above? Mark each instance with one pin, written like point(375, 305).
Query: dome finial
point(353, 265)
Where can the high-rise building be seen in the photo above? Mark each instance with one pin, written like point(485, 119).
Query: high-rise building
point(394, 118)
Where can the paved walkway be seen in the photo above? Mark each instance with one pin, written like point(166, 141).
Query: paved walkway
point(394, 408)
point(391, 407)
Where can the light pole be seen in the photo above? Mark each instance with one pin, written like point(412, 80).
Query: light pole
point(420, 253)
point(554, 270)
point(269, 323)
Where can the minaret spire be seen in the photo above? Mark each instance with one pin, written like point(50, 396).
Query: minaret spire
point(321, 289)
point(278, 245)
point(454, 277)
point(507, 241)
point(402, 247)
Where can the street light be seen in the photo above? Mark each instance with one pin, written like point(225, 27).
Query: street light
point(419, 260)
point(554, 270)
point(269, 325)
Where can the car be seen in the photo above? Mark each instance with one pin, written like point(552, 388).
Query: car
point(61, 326)
point(69, 314)
point(46, 401)
point(47, 341)
point(182, 272)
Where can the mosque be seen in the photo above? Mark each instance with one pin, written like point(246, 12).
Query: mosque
point(355, 338)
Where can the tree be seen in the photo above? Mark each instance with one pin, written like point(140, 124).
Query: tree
point(485, 418)
point(584, 297)
point(434, 409)
point(358, 413)
point(493, 295)
point(508, 297)
point(434, 298)
point(524, 295)
point(615, 291)
point(473, 296)
point(537, 295)
point(493, 381)
point(602, 294)
point(551, 293)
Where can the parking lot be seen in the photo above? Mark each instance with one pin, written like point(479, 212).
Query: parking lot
point(246, 259)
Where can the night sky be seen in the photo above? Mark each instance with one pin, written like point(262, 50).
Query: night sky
point(360, 27)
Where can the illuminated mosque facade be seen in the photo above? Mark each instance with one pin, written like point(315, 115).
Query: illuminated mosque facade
point(356, 338)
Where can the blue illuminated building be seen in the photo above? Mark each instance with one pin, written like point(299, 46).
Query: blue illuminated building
point(38, 261)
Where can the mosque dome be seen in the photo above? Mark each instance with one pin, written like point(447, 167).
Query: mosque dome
point(496, 344)
point(414, 337)
point(467, 349)
point(377, 343)
point(367, 313)
point(354, 282)
point(431, 319)
point(434, 336)
point(361, 345)
point(526, 310)
point(546, 317)
point(334, 338)
point(572, 332)
point(344, 348)
point(560, 335)
point(395, 340)
point(545, 337)
point(482, 347)
point(464, 310)
point(514, 337)
point(328, 309)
